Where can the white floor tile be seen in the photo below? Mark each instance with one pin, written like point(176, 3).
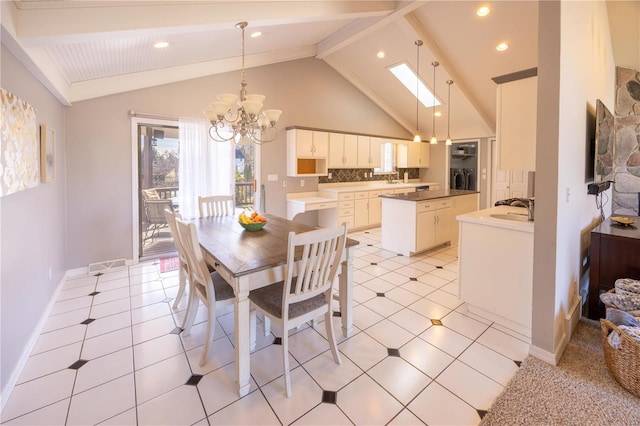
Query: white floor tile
point(102, 402)
point(81, 281)
point(58, 338)
point(150, 275)
point(490, 363)
point(221, 353)
point(104, 369)
point(322, 415)
point(145, 299)
point(362, 294)
point(451, 288)
point(38, 393)
point(399, 378)
point(253, 409)
point(110, 295)
point(161, 377)
point(433, 280)
point(429, 309)
point(417, 287)
point(305, 394)
point(448, 340)
point(329, 375)
point(76, 292)
point(108, 324)
point(180, 406)
point(151, 329)
point(425, 357)
point(364, 317)
point(110, 308)
point(366, 403)
point(106, 343)
point(395, 278)
point(476, 389)
point(113, 275)
point(113, 284)
point(363, 350)
point(71, 305)
point(148, 287)
point(49, 362)
point(378, 285)
point(389, 334)
point(464, 325)
point(360, 277)
point(58, 321)
point(127, 418)
point(411, 321)
point(509, 346)
point(437, 406)
point(218, 388)
point(266, 364)
point(150, 312)
point(444, 298)
point(156, 350)
point(383, 306)
point(307, 344)
point(51, 415)
point(405, 418)
point(402, 296)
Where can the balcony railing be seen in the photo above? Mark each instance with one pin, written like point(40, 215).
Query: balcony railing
point(244, 193)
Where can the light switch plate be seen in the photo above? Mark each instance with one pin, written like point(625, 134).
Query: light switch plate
point(272, 178)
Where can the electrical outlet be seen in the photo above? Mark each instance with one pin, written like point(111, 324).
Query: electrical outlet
point(301, 182)
point(329, 175)
point(284, 183)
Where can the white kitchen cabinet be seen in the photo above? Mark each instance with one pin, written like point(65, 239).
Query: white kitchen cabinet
point(361, 214)
point(516, 124)
point(413, 155)
point(343, 151)
point(433, 224)
point(307, 152)
point(369, 152)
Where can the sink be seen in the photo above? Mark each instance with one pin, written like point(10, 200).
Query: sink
point(518, 217)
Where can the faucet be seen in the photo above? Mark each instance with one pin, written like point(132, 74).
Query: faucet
point(528, 203)
point(389, 176)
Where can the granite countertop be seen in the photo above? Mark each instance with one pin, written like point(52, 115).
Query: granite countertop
point(369, 186)
point(429, 195)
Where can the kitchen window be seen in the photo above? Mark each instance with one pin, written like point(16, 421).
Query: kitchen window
point(388, 158)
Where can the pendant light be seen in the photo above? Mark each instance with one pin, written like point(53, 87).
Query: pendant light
point(416, 137)
point(448, 142)
point(434, 140)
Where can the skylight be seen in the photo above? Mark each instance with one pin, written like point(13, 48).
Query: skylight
point(407, 77)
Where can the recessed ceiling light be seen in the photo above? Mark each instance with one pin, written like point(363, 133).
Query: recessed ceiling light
point(438, 114)
point(502, 47)
point(380, 54)
point(256, 34)
point(161, 44)
point(483, 11)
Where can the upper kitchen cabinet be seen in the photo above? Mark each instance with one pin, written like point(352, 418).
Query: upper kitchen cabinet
point(343, 151)
point(516, 124)
point(369, 152)
point(307, 152)
point(412, 155)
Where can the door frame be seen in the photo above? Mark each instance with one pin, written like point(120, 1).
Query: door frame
point(135, 182)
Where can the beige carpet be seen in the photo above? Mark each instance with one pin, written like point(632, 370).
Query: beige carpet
point(579, 391)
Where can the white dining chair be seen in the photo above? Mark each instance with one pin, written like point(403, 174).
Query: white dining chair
point(205, 286)
point(183, 270)
point(313, 260)
point(216, 205)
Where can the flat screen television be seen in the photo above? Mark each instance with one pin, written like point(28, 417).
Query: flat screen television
point(603, 149)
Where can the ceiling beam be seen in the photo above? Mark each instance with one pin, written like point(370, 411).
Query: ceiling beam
point(362, 28)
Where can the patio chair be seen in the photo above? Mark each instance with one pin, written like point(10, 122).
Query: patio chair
point(154, 208)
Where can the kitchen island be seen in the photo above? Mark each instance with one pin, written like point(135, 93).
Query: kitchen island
point(495, 265)
point(418, 221)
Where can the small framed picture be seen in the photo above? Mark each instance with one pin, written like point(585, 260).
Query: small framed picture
point(47, 153)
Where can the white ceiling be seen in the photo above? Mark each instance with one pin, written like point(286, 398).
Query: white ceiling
point(86, 49)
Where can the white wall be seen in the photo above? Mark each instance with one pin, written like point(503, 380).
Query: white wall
point(573, 75)
point(33, 229)
point(309, 92)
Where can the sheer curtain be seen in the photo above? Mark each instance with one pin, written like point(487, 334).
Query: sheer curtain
point(206, 166)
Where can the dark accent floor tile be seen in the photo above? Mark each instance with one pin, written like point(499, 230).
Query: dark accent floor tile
point(176, 330)
point(436, 322)
point(337, 313)
point(518, 363)
point(194, 380)
point(374, 263)
point(329, 397)
point(277, 341)
point(88, 321)
point(413, 279)
point(94, 293)
point(399, 254)
point(98, 274)
point(380, 294)
point(366, 232)
point(439, 267)
point(167, 299)
point(393, 352)
point(369, 245)
point(481, 413)
point(79, 363)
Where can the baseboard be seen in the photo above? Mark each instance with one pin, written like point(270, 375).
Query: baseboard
point(11, 383)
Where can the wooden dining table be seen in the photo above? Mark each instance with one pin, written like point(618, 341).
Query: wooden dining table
point(252, 259)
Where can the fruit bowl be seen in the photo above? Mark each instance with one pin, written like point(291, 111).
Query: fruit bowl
point(255, 226)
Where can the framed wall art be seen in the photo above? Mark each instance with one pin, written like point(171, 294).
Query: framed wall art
point(19, 150)
point(47, 153)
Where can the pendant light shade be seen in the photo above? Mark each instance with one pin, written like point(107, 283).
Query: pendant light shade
point(448, 142)
point(434, 140)
point(416, 137)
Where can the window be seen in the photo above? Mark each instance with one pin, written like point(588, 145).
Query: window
point(408, 78)
point(388, 158)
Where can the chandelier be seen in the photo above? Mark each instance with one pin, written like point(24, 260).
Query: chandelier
point(231, 120)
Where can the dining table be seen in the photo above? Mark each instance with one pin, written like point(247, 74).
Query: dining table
point(248, 260)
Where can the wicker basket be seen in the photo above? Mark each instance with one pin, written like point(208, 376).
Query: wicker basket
point(624, 362)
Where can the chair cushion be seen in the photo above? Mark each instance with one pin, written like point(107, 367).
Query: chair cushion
point(222, 288)
point(269, 298)
point(150, 194)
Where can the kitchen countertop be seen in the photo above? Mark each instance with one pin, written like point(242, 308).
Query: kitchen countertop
point(483, 217)
point(429, 195)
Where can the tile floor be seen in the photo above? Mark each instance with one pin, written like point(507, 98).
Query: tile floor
point(112, 353)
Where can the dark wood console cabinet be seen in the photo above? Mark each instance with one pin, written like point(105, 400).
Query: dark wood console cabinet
point(614, 253)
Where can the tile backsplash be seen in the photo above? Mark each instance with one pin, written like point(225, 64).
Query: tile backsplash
point(363, 175)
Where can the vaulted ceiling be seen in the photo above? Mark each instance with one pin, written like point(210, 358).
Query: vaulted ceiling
point(87, 49)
